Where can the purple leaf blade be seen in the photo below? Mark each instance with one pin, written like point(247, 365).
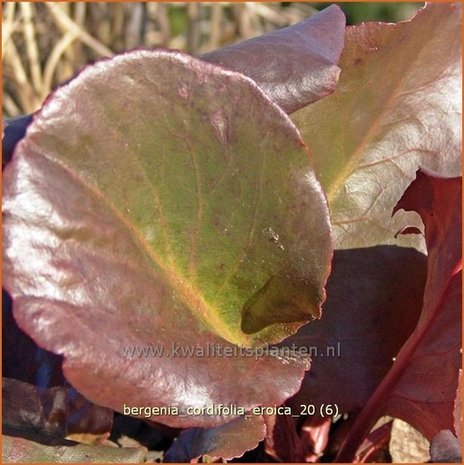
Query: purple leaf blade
point(181, 226)
point(295, 66)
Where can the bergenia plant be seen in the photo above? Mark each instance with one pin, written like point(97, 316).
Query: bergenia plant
point(186, 236)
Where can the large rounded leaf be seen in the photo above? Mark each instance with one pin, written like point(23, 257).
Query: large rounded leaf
point(161, 201)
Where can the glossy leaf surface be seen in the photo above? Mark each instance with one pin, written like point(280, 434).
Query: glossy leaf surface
point(295, 66)
point(191, 220)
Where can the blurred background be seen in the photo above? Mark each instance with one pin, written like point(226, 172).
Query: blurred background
point(45, 43)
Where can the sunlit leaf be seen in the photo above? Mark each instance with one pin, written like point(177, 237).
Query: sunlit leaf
point(296, 65)
point(158, 200)
point(397, 107)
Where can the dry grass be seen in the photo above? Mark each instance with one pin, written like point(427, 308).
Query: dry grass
point(46, 43)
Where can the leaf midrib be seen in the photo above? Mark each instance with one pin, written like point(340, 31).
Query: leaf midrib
point(189, 294)
point(333, 190)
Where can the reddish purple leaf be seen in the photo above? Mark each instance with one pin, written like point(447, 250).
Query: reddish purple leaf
point(295, 66)
point(374, 299)
point(420, 387)
point(194, 220)
point(424, 395)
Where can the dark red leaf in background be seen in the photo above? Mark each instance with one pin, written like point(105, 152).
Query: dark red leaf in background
point(424, 395)
point(374, 298)
point(420, 388)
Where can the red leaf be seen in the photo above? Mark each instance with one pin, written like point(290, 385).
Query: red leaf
point(420, 388)
point(374, 299)
point(155, 227)
point(425, 394)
